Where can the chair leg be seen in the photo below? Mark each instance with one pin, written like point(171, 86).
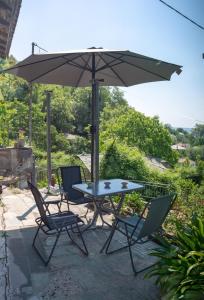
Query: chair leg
point(109, 239)
point(84, 251)
point(81, 236)
point(59, 207)
point(131, 255)
point(53, 248)
point(85, 216)
point(130, 250)
point(36, 234)
point(45, 261)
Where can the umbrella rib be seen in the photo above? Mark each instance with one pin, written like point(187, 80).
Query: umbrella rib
point(35, 62)
point(66, 62)
point(118, 76)
point(109, 65)
point(83, 70)
point(41, 61)
point(45, 73)
point(139, 56)
point(70, 62)
point(153, 73)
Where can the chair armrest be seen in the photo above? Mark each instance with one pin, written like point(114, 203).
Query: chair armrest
point(57, 201)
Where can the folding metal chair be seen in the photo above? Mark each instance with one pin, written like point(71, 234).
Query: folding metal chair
point(72, 175)
point(55, 224)
point(141, 229)
point(46, 203)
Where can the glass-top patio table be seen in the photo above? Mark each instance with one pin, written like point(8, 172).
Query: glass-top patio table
point(104, 189)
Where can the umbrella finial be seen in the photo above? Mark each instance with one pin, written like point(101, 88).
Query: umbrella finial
point(95, 48)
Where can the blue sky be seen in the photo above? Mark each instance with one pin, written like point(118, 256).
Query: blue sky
point(144, 26)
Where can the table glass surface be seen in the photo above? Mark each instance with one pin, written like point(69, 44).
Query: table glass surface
point(98, 188)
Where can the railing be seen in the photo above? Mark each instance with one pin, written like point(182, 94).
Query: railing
point(41, 174)
point(152, 190)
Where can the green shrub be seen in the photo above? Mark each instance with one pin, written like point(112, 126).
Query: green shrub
point(134, 203)
point(122, 161)
point(180, 269)
point(58, 159)
point(80, 145)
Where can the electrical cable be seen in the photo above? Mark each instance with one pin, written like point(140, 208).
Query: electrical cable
point(195, 23)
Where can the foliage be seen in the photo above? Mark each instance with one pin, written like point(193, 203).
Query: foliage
point(197, 135)
point(59, 158)
point(61, 110)
point(134, 203)
point(80, 145)
point(6, 116)
point(136, 130)
point(196, 152)
point(121, 161)
point(180, 268)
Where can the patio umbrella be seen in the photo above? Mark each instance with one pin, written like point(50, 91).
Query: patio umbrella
point(94, 66)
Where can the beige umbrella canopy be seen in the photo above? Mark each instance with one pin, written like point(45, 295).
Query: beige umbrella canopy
point(94, 66)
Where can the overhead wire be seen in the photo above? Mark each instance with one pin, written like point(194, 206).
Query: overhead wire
point(189, 19)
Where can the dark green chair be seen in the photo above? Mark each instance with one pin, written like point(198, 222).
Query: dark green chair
point(55, 224)
point(141, 229)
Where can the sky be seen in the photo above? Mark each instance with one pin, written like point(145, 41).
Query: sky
point(146, 27)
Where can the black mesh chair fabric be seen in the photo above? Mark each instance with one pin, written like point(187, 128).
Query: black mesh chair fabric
point(55, 224)
point(140, 229)
point(72, 175)
point(157, 212)
point(41, 202)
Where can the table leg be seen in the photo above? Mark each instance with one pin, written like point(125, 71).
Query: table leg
point(98, 212)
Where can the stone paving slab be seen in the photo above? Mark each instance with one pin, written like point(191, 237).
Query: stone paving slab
point(70, 275)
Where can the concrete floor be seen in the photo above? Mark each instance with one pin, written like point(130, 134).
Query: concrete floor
point(70, 275)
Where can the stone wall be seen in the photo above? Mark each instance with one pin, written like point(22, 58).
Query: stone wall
point(16, 162)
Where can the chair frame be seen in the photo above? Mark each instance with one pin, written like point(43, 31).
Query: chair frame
point(133, 238)
point(65, 197)
point(55, 224)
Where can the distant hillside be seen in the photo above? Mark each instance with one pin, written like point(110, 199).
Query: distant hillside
point(184, 128)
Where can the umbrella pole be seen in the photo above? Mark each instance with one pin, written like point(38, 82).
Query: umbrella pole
point(95, 133)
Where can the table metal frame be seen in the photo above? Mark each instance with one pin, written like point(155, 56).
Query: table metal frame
point(99, 192)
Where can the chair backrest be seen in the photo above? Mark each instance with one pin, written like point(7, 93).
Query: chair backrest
point(38, 200)
point(158, 210)
point(71, 175)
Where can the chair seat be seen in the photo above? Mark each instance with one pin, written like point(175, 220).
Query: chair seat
point(62, 220)
point(131, 222)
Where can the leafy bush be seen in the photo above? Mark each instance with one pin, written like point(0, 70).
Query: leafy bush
point(134, 203)
point(180, 268)
point(80, 145)
point(137, 130)
point(58, 159)
point(121, 161)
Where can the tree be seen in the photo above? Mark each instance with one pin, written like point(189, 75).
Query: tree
point(61, 110)
point(197, 135)
point(6, 116)
point(137, 130)
point(121, 161)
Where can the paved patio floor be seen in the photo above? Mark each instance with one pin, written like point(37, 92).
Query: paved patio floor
point(70, 275)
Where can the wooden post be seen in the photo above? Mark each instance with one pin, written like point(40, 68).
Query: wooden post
point(49, 167)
